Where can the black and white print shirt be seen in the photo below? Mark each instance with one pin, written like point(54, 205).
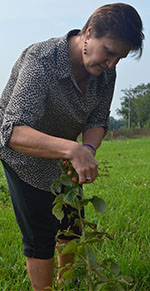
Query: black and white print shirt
point(42, 93)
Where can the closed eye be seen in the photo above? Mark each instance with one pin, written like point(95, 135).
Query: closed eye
point(110, 53)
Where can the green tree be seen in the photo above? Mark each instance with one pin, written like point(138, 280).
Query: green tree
point(143, 109)
point(115, 124)
point(135, 105)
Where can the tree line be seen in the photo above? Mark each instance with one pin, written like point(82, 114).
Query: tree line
point(135, 108)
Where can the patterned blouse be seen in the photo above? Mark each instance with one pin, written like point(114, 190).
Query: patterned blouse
point(42, 93)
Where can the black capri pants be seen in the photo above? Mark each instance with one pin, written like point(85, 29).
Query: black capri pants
point(33, 210)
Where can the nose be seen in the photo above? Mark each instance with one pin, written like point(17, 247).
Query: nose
point(112, 62)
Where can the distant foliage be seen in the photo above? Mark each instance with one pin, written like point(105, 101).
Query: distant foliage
point(125, 133)
point(136, 103)
point(115, 124)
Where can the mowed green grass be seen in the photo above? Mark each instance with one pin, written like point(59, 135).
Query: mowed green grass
point(127, 218)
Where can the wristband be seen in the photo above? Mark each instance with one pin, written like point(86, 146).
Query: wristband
point(90, 145)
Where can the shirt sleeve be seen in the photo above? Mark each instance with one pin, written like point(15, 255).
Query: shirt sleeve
point(26, 103)
point(99, 117)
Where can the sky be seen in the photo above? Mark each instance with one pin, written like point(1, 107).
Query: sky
point(23, 22)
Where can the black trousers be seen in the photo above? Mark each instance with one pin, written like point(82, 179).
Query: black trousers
point(33, 210)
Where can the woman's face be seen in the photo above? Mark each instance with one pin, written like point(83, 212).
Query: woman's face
point(104, 53)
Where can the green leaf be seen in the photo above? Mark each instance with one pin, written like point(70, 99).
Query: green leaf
point(69, 233)
point(94, 236)
point(118, 287)
point(99, 204)
point(56, 187)
point(69, 274)
point(84, 202)
point(70, 247)
point(100, 286)
point(91, 225)
point(125, 279)
point(71, 198)
point(80, 191)
point(113, 267)
point(59, 198)
point(82, 252)
point(99, 271)
point(67, 189)
point(115, 286)
point(66, 180)
point(91, 256)
point(57, 211)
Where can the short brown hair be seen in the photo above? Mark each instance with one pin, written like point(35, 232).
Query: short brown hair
point(117, 20)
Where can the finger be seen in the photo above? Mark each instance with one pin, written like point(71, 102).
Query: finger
point(88, 177)
point(81, 177)
point(94, 172)
point(91, 175)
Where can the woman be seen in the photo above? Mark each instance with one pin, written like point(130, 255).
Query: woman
point(58, 89)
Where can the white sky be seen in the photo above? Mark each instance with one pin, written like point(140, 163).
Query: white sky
point(28, 21)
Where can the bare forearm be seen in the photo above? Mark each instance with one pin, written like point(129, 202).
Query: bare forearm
point(29, 141)
point(93, 136)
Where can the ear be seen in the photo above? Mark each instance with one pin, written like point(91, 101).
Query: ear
point(88, 32)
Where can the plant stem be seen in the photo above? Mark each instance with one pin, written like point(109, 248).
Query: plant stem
point(89, 270)
point(87, 257)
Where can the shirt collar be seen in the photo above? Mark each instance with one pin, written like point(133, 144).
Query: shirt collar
point(64, 65)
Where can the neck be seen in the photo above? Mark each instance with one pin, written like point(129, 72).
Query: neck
point(76, 44)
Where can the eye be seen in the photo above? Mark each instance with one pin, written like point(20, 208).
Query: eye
point(110, 53)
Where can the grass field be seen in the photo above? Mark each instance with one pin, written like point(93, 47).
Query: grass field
point(127, 217)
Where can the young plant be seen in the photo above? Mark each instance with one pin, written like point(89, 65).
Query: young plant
point(97, 273)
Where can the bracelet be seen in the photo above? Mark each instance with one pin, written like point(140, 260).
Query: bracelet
point(90, 145)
